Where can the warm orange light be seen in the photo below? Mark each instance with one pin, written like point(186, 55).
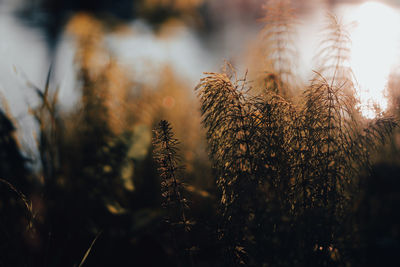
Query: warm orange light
point(374, 53)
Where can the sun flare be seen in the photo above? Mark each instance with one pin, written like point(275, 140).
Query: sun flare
point(374, 53)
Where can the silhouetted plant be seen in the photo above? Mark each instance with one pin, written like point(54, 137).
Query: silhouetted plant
point(172, 188)
point(335, 150)
point(282, 168)
point(293, 173)
point(277, 158)
point(228, 119)
point(13, 164)
point(17, 217)
point(47, 117)
point(333, 56)
point(327, 164)
point(249, 145)
point(278, 47)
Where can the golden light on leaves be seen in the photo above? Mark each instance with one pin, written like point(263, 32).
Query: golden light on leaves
point(102, 74)
point(88, 33)
point(81, 24)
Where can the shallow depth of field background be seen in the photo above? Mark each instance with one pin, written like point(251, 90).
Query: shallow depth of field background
point(189, 37)
point(140, 60)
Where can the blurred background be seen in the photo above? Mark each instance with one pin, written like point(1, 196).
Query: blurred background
point(144, 36)
point(84, 82)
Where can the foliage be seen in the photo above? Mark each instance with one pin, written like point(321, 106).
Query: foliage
point(290, 179)
point(171, 186)
point(278, 49)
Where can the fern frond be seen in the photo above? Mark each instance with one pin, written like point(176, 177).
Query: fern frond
point(333, 57)
point(250, 141)
point(233, 128)
point(279, 51)
point(371, 137)
point(165, 154)
point(327, 171)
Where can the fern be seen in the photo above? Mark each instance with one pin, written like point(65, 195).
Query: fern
point(250, 146)
point(172, 188)
point(333, 57)
point(278, 47)
point(230, 120)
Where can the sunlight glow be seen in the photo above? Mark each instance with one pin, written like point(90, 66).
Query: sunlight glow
point(374, 53)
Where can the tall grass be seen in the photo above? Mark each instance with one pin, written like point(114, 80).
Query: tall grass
point(288, 171)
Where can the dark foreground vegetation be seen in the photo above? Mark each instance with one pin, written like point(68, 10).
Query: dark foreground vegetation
point(266, 172)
